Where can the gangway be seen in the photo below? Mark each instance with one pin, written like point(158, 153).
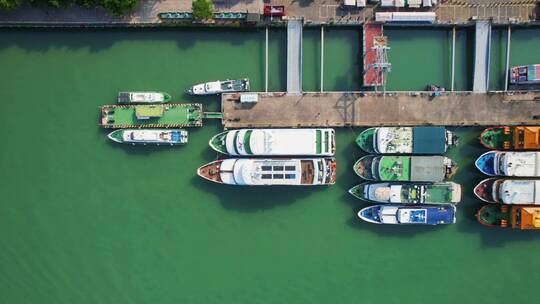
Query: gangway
point(294, 57)
point(481, 56)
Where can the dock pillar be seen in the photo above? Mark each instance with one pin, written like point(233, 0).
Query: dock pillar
point(322, 58)
point(266, 63)
point(453, 58)
point(507, 68)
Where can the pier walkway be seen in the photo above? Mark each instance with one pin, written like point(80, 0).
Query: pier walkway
point(482, 50)
point(376, 109)
point(294, 57)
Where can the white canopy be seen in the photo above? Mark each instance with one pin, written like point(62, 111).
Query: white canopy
point(520, 163)
point(522, 192)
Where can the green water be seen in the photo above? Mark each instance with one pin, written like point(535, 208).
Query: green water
point(84, 220)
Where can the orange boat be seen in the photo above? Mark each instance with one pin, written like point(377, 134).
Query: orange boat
point(517, 217)
point(511, 138)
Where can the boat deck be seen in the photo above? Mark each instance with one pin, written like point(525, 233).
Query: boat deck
point(174, 116)
point(340, 109)
point(372, 76)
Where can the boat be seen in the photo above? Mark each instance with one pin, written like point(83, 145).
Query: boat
point(250, 142)
point(520, 164)
point(406, 140)
point(516, 216)
point(217, 87)
point(409, 215)
point(143, 97)
point(269, 172)
point(150, 136)
point(509, 191)
point(170, 115)
point(405, 168)
point(525, 77)
point(408, 193)
point(511, 138)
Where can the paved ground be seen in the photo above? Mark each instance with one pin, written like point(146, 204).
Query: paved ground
point(356, 109)
point(145, 13)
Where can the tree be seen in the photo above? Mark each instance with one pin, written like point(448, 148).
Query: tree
point(9, 4)
point(118, 7)
point(203, 9)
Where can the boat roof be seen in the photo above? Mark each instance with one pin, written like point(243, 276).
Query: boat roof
point(427, 168)
point(530, 218)
point(388, 214)
point(264, 171)
point(412, 216)
point(147, 96)
point(521, 163)
point(275, 141)
point(212, 86)
point(520, 191)
point(429, 140)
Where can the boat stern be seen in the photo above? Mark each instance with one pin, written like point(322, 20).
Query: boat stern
point(331, 166)
point(365, 140)
point(455, 189)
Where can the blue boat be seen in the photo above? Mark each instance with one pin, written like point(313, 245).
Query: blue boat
point(485, 163)
point(409, 215)
point(500, 163)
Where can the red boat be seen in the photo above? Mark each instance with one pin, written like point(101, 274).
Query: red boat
point(274, 10)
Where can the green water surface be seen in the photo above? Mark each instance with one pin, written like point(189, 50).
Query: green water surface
point(85, 220)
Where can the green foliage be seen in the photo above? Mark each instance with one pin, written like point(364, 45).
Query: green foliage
point(203, 9)
point(9, 4)
point(119, 7)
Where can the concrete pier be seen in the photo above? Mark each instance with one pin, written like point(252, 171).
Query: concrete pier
point(376, 109)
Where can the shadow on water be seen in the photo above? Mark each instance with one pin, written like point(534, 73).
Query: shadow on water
point(254, 198)
point(101, 39)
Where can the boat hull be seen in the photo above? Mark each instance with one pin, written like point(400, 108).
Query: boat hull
point(219, 87)
point(409, 215)
point(516, 217)
point(408, 193)
point(143, 97)
point(170, 137)
point(515, 138)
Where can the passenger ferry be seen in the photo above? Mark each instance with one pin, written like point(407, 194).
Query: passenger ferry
point(405, 168)
point(253, 142)
point(218, 87)
point(150, 136)
point(509, 191)
point(408, 193)
point(271, 172)
point(409, 215)
point(517, 217)
point(519, 164)
point(511, 138)
point(143, 97)
point(406, 140)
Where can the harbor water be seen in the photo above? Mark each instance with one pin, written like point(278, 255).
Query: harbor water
point(86, 220)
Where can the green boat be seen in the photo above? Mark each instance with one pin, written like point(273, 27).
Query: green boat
point(408, 193)
point(405, 168)
point(172, 115)
point(406, 140)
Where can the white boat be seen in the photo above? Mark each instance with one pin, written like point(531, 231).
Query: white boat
point(217, 87)
point(519, 164)
point(409, 215)
point(150, 136)
point(509, 191)
point(252, 142)
point(143, 97)
point(270, 172)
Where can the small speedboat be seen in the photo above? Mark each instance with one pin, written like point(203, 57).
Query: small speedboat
point(150, 136)
point(519, 164)
point(143, 97)
point(218, 87)
point(409, 215)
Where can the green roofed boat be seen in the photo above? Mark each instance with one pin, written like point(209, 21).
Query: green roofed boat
point(172, 115)
point(406, 140)
point(408, 193)
point(405, 168)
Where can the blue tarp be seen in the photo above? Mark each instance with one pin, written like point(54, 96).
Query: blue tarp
point(436, 215)
point(429, 140)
